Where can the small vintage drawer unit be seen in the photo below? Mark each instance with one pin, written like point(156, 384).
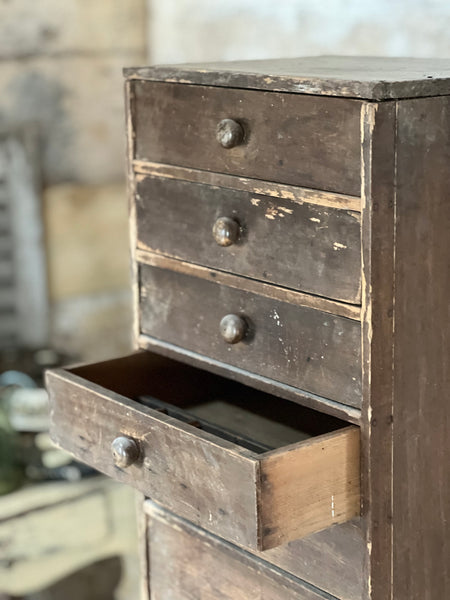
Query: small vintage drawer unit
point(286, 413)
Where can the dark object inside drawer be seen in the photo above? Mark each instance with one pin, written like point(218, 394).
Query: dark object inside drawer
point(256, 421)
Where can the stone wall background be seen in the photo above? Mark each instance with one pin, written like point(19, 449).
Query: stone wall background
point(61, 75)
point(61, 72)
point(202, 30)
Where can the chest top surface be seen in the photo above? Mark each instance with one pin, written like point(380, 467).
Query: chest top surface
point(369, 78)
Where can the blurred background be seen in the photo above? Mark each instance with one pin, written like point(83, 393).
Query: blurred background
point(64, 279)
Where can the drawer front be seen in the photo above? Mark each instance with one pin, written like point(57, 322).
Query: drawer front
point(296, 345)
point(187, 563)
point(259, 493)
point(297, 245)
point(300, 140)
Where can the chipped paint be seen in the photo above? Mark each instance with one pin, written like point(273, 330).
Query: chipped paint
point(338, 246)
point(314, 220)
point(276, 318)
point(272, 212)
point(255, 201)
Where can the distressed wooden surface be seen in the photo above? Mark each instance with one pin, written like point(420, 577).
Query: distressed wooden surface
point(421, 429)
point(261, 288)
point(378, 216)
point(331, 560)
point(50, 530)
point(176, 218)
point(246, 184)
point(258, 382)
point(216, 484)
point(177, 461)
point(368, 77)
point(298, 140)
point(188, 563)
point(143, 549)
point(308, 489)
point(302, 347)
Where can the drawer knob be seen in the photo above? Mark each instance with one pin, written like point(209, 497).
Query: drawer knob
point(229, 133)
point(233, 328)
point(125, 451)
point(226, 231)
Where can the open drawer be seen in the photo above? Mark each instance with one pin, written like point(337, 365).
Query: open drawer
point(252, 468)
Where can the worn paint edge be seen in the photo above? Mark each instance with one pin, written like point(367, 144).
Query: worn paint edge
point(268, 290)
point(132, 222)
point(296, 194)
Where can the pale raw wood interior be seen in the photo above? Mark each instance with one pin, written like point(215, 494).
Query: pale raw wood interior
point(310, 487)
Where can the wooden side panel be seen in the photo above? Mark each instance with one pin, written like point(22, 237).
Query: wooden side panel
point(297, 245)
point(307, 489)
point(378, 129)
point(302, 347)
point(187, 564)
point(300, 140)
point(190, 472)
point(421, 552)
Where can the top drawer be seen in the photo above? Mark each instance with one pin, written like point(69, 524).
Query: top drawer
point(300, 140)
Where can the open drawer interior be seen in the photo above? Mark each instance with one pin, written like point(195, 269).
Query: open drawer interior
point(251, 467)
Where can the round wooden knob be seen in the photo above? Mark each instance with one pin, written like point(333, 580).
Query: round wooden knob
point(226, 231)
point(125, 451)
point(229, 133)
point(233, 328)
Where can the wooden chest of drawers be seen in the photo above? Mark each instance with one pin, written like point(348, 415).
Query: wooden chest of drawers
point(288, 414)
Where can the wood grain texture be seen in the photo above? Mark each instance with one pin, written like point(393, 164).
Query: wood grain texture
point(131, 192)
point(187, 563)
point(379, 124)
point(258, 382)
point(294, 503)
point(331, 560)
point(368, 77)
point(421, 448)
point(253, 186)
point(302, 347)
point(143, 549)
point(298, 140)
point(214, 483)
point(350, 311)
point(203, 478)
point(176, 218)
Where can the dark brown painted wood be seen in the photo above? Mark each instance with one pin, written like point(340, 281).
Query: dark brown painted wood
point(299, 140)
point(188, 563)
point(350, 311)
point(176, 218)
point(246, 184)
point(331, 560)
point(421, 436)
point(377, 344)
point(302, 347)
point(368, 77)
point(200, 469)
point(258, 382)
